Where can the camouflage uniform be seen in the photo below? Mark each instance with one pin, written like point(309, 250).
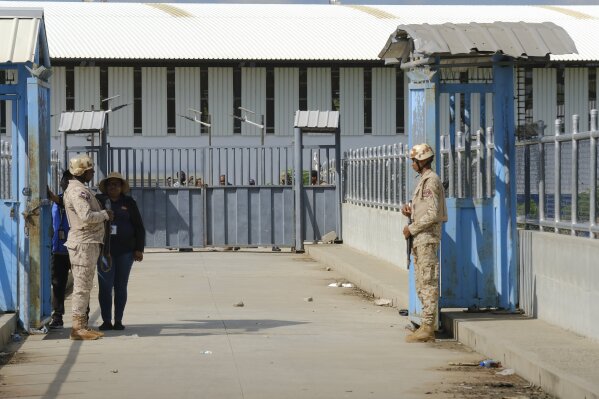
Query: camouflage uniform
point(429, 212)
point(86, 219)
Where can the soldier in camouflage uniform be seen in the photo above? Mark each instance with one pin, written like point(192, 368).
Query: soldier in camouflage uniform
point(86, 236)
point(428, 212)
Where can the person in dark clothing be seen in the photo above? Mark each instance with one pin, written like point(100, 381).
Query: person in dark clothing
point(127, 241)
point(60, 255)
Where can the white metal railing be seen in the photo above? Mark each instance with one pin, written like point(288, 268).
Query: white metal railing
point(557, 187)
point(55, 172)
point(376, 176)
point(5, 169)
point(467, 167)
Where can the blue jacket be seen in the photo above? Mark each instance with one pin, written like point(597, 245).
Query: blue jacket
point(59, 223)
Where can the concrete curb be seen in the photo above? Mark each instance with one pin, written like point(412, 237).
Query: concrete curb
point(529, 346)
point(8, 325)
point(525, 362)
point(381, 278)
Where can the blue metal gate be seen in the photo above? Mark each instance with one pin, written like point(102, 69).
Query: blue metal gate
point(470, 124)
point(184, 204)
point(25, 168)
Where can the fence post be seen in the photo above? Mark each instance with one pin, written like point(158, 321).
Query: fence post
point(299, 240)
point(574, 179)
point(489, 166)
point(593, 193)
point(541, 184)
point(479, 161)
point(460, 148)
point(557, 176)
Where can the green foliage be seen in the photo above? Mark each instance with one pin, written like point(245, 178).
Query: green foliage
point(290, 176)
point(534, 209)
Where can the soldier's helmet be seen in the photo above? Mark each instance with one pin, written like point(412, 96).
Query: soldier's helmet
point(79, 164)
point(421, 152)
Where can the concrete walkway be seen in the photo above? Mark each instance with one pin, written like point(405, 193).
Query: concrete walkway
point(184, 338)
point(564, 364)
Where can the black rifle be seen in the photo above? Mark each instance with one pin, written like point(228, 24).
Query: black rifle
point(410, 239)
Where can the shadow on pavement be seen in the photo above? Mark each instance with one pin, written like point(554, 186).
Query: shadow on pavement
point(196, 328)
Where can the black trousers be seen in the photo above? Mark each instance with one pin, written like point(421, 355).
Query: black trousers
point(60, 273)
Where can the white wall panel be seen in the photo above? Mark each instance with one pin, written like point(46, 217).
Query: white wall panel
point(383, 101)
point(8, 118)
point(153, 101)
point(351, 96)
point(87, 88)
point(120, 82)
point(253, 97)
point(444, 114)
point(576, 82)
point(489, 111)
point(319, 89)
point(187, 95)
point(286, 99)
point(58, 100)
point(220, 100)
point(544, 97)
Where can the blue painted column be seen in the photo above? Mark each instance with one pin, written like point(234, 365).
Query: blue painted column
point(297, 186)
point(505, 183)
point(20, 181)
point(422, 128)
point(39, 220)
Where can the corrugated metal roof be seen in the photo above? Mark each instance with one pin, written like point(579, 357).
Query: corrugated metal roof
point(19, 30)
point(82, 121)
point(516, 39)
point(210, 31)
point(317, 120)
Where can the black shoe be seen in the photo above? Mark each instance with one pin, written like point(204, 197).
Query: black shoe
point(56, 323)
point(236, 249)
point(118, 325)
point(276, 249)
point(106, 326)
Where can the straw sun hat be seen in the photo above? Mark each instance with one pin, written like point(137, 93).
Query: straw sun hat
point(114, 175)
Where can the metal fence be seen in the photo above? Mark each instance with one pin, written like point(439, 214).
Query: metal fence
point(5, 169)
point(557, 180)
point(376, 176)
point(467, 169)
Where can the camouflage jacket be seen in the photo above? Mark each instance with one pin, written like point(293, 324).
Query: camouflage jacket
point(428, 209)
point(85, 215)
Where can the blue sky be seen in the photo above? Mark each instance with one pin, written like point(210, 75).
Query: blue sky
point(371, 2)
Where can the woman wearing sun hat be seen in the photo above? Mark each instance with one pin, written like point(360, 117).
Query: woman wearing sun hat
point(127, 240)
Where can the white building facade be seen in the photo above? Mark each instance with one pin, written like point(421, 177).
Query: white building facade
point(164, 59)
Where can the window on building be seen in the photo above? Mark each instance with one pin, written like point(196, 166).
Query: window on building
point(399, 102)
point(592, 88)
point(303, 89)
point(137, 111)
point(204, 99)
point(367, 100)
point(524, 96)
point(70, 88)
point(236, 98)
point(335, 106)
point(270, 100)
point(528, 112)
point(171, 123)
point(2, 117)
point(561, 96)
point(104, 88)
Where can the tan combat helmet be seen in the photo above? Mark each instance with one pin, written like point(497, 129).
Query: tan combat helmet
point(79, 164)
point(421, 152)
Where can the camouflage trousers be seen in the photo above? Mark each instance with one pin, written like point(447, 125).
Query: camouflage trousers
point(427, 280)
point(84, 258)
